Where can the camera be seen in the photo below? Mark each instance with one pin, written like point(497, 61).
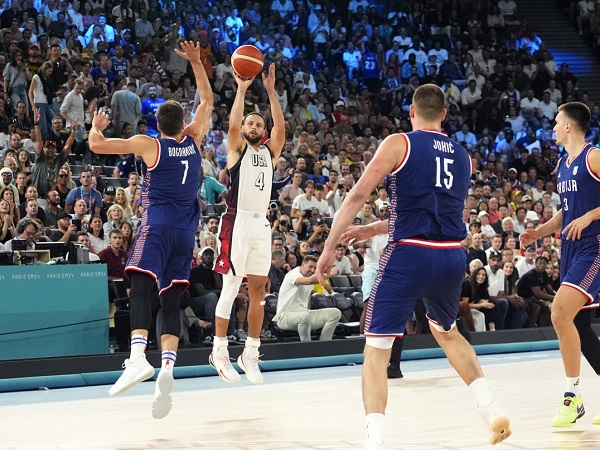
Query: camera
point(319, 222)
point(273, 205)
point(283, 223)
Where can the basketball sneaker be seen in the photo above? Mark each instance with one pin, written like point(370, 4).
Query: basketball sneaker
point(371, 444)
point(135, 372)
point(162, 394)
point(248, 361)
point(596, 420)
point(497, 422)
point(570, 410)
point(219, 359)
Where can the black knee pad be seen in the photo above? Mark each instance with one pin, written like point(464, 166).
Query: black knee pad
point(170, 301)
point(142, 287)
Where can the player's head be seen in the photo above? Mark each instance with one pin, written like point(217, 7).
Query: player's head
point(573, 117)
point(254, 127)
point(170, 118)
point(428, 103)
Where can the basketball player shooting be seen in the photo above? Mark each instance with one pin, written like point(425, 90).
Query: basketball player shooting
point(245, 232)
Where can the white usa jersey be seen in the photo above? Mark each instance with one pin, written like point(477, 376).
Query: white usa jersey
point(251, 180)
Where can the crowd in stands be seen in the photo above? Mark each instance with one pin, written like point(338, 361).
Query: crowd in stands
point(346, 73)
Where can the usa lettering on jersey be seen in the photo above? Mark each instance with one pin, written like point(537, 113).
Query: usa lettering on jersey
point(259, 160)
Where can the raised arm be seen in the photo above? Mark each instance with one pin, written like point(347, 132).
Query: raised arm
point(277, 138)
point(39, 144)
point(141, 145)
point(234, 137)
point(199, 126)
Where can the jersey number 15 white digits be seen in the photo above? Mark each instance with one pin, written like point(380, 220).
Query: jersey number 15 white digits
point(448, 177)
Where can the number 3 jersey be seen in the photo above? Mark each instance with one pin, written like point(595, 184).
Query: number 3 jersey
point(169, 193)
point(427, 190)
point(579, 189)
point(251, 180)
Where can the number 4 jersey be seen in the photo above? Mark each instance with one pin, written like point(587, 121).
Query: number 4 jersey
point(251, 180)
point(169, 193)
point(579, 190)
point(427, 190)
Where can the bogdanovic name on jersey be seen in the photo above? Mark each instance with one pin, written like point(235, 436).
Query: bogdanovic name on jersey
point(182, 151)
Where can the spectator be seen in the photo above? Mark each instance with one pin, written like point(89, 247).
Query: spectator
point(27, 229)
point(277, 271)
point(534, 287)
point(66, 232)
point(96, 234)
point(16, 78)
point(114, 256)
point(341, 263)
point(292, 306)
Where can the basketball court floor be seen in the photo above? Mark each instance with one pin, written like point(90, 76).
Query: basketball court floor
point(429, 409)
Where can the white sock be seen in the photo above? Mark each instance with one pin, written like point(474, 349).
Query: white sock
point(480, 391)
point(168, 360)
point(376, 427)
point(252, 342)
point(573, 385)
point(220, 342)
point(138, 346)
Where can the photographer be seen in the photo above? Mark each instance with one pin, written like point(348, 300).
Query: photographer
point(66, 231)
point(335, 198)
point(281, 228)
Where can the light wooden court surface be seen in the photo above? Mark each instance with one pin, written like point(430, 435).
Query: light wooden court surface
point(429, 409)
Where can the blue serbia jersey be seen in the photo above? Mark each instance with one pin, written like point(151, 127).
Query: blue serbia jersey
point(171, 185)
point(579, 190)
point(427, 190)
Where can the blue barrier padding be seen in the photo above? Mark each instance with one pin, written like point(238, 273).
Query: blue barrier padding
point(106, 378)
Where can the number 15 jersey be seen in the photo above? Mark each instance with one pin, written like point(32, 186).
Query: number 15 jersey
point(427, 190)
point(251, 180)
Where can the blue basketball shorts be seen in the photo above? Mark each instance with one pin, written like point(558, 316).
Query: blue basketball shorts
point(579, 265)
point(163, 252)
point(408, 273)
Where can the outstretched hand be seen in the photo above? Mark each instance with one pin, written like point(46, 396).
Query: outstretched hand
point(242, 82)
point(100, 121)
point(191, 51)
point(356, 233)
point(269, 79)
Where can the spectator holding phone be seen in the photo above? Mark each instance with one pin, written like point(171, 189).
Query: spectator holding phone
point(67, 230)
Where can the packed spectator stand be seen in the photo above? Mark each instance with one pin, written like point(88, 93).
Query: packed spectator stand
point(346, 74)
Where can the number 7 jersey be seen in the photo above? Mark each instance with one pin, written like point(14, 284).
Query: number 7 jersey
point(251, 180)
point(169, 192)
point(427, 190)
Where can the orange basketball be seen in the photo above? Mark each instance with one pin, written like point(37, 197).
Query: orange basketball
point(247, 61)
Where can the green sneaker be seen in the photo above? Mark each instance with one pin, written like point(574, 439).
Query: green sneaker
point(568, 413)
point(596, 420)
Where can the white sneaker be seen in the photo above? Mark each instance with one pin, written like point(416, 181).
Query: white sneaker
point(248, 361)
point(135, 372)
point(219, 359)
point(370, 444)
point(162, 394)
point(497, 421)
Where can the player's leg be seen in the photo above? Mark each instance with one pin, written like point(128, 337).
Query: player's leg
point(170, 299)
point(590, 345)
point(137, 368)
point(566, 305)
point(249, 358)
point(375, 388)
point(392, 301)
point(219, 357)
point(442, 303)
point(174, 278)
